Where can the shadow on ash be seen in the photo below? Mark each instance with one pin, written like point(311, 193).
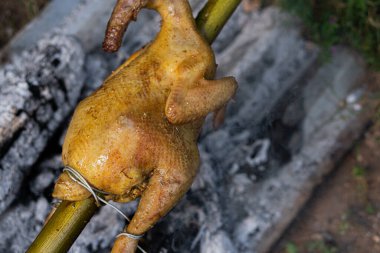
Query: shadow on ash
point(292, 121)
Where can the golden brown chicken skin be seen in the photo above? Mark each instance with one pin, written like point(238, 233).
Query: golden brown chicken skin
point(136, 135)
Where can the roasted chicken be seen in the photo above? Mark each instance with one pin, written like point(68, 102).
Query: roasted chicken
point(136, 136)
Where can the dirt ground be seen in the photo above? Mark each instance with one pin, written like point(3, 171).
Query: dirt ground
point(344, 213)
point(14, 14)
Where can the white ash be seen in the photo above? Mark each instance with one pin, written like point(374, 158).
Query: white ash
point(38, 90)
point(353, 99)
point(41, 182)
point(21, 223)
point(219, 242)
point(259, 153)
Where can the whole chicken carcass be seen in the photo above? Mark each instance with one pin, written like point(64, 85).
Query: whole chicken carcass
point(136, 136)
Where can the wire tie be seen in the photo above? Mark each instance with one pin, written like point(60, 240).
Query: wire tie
point(78, 178)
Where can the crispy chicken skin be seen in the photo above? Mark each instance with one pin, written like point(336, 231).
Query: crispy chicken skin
point(136, 135)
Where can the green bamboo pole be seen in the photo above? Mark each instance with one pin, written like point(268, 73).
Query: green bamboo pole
point(70, 218)
point(64, 226)
point(213, 17)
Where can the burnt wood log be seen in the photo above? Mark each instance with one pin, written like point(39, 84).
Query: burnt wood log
point(38, 90)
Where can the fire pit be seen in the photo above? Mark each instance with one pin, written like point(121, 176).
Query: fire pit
point(292, 120)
